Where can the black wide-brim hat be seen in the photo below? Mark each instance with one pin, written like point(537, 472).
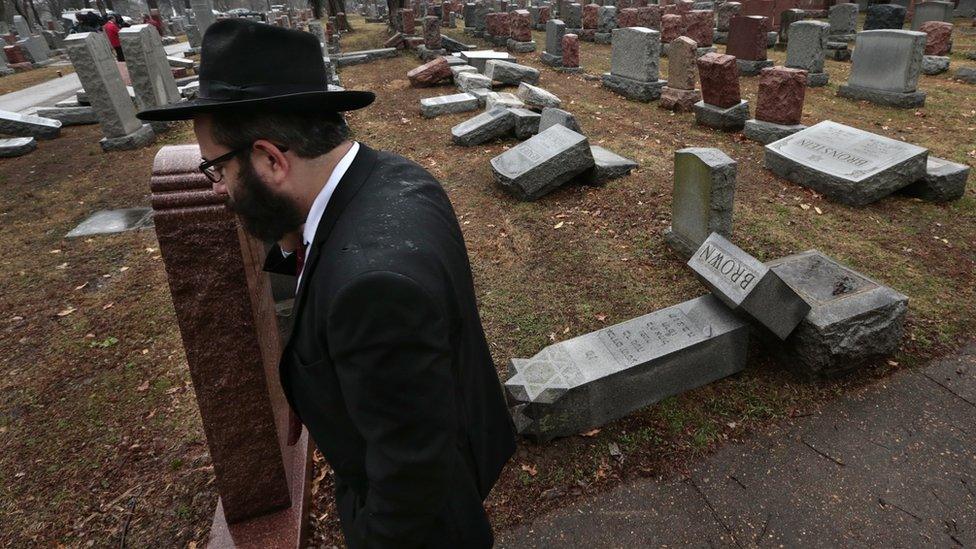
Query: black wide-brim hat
point(249, 65)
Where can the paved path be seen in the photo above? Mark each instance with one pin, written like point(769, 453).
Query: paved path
point(57, 89)
point(893, 465)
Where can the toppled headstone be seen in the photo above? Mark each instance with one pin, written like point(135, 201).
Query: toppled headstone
point(884, 16)
point(513, 74)
point(483, 127)
point(806, 49)
point(542, 163)
point(430, 73)
point(634, 59)
point(24, 125)
point(935, 64)
point(448, 104)
point(744, 284)
point(702, 200)
point(747, 42)
point(502, 99)
point(552, 116)
point(17, 146)
point(585, 382)
point(852, 318)
point(526, 123)
point(846, 164)
point(113, 221)
point(69, 116)
point(478, 58)
point(468, 81)
point(458, 69)
point(721, 106)
point(553, 54)
point(944, 181)
point(680, 94)
point(885, 68)
point(607, 165)
point(779, 105)
point(536, 97)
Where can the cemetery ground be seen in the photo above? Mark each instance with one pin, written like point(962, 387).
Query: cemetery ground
point(99, 427)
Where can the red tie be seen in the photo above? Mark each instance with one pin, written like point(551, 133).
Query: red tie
point(295, 424)
point(300, 257)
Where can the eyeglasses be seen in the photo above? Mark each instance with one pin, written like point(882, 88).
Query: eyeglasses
point(214, 174)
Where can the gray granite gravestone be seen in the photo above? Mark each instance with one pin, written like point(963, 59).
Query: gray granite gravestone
point(526, 123)
point(25, 125)
point(744, 284)
point(846, 164)
point(552, 116)
point(842, 19)
point(478, 58)
point(944, 181)
point(852, 318)
point(634, 59)
point(932, 11)
point(884, 16)
point(149, 69)
point(806, 49)
point(702, 200)
point(468, 81)
point(94, 61)
point(573, 17)
point(535, 97)
point(202, 14)
point(553, 54)
point(113, 221)
point(502, 99)
point(542, 163)
point(965, 8)
point(17, 146)
point(607, 165)
point(447, 104)
point(483, 127)
point(69, 116)
point(506, 72)
point(885, 68)
point(590, 380)
point(606, 22)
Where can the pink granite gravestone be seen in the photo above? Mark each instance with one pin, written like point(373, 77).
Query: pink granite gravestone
point(700, 27)
point(939, 37)
point(719, 76)
point(781, 93)
point(571, 50)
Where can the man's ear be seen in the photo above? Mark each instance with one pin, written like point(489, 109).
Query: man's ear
point(270, 162)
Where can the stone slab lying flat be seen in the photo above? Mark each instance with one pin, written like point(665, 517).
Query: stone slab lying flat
point(502, 99)
point(447, 104)
point(846, 164)
point(483, 127)
point(744, 284)
point(69, 116)
point(542, 163)
point(468, 81)
point(852, 319)
point(510, 73)
point(585, 382)
point(944, 181)
point(17, 146)
point(478, 58)
point(21, 125)
point(113, 221)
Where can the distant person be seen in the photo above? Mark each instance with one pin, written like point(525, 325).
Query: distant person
point(155, 22)
point(111, 29)
point(387, 364)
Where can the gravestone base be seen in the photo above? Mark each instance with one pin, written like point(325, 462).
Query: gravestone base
point(767, 132)
point(853, 319)
point(17, 146)
point(748, 67)
point(841, 37)
point(902, 100)
point(587, 35)
point(720, 37)
point(817, 79)
point(142, 137)
point(677, 100)
point(526, 123)
point(731, 119)
point(706, 49)
point(70, 116)
point(551, 60)
point(934, 64)
point(497, 40)
point(682, 246)
point(633, 89)
point(944, 181)
point(602, 37)
point(607, 165)
point(520, 47)
point(160, 126)
point(838, 51)
point(429, 55)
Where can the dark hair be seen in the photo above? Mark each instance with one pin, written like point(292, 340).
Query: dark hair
point(308, 134)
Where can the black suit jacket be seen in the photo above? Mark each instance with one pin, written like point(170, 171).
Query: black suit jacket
point(388, 366)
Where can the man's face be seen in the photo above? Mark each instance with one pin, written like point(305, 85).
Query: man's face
point(266, 213)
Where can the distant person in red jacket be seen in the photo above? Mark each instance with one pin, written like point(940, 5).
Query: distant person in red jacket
point(112, 32)
point(155, 22)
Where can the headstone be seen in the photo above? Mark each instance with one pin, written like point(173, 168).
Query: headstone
point(149, 70)
point(745, 285)
point(702, 200)
point(543, 163)
point(650, 17)
point(113, 221)
point(944, 181)
point(506, 72)
point(16, 146)
point(468, 81)
point(484, 127)
point(502, 100)
point(680, 94)
point(552, 116)
point(95, 63)
point(846, 164)
point(843, 22)
point(69, 116)
point(808, 40)
point(884, 16)
point(520, 32)
point(722, 106)
point(724, 14)
point(747, 42)
point(478, 58)
point(203, 14)
point(526, 123)
point(779, 106)
point(447, 104)
point(432, 33)
point(885, 68)
point(587, 381)
point(852, 319)
point(590, 17)
point(634, 59)
point(606, 22)
point(573, 16)
point(672, 26)
point(25, 125)
point(430, 73)
point(965, 8)
point(932, 11)
point(553, 54)
point(571, 57)
point(786, 19)
point(537, 98)
point(700, 27)
point(226, 315)
point(629, 17)
point(938, 37)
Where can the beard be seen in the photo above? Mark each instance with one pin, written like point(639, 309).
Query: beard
point(265, 214)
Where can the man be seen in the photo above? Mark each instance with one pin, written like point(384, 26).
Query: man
point(387, 364)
